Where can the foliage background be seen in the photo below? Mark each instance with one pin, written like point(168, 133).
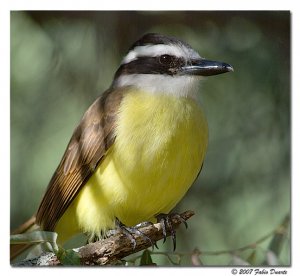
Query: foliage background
point(61, 61)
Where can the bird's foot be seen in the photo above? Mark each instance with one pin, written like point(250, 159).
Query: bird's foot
point(164, 220)
point(129, 232)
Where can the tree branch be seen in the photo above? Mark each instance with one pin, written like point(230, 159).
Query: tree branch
point(111, 250)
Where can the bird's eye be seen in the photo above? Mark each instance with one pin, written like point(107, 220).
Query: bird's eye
point(165, 59)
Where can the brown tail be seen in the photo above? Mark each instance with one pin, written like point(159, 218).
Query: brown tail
point(17, 249)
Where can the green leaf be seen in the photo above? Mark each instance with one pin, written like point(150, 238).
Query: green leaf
point(277, 242)
point(279, 237)
point(252, 258)
point(35, 237)
point(146, 258)
point(68, 257)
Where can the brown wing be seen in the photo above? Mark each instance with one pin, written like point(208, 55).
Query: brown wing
point(87, 147)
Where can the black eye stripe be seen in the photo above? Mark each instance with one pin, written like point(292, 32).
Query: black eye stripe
point(166, 59)
point(164, 64)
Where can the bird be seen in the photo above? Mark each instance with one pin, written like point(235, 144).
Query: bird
point(138, 148)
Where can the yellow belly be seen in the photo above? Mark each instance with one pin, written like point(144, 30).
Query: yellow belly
point(160, 145)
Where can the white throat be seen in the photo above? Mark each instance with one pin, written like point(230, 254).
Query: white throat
point(179, 86)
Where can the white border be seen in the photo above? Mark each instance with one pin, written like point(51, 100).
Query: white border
point(6, 6)
point(151, 5)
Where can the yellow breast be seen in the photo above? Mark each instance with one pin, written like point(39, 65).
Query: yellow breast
point(160, 145)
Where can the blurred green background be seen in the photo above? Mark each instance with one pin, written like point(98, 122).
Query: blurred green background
point(61, 61)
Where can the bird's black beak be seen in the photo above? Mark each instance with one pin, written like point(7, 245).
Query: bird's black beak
point(204, 67)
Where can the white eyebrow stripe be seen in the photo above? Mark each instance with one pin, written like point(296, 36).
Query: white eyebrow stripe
point(153, 51)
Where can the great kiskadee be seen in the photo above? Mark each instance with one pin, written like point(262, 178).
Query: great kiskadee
point(138, 148)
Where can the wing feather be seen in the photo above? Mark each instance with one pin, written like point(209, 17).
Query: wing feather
point(87, 147)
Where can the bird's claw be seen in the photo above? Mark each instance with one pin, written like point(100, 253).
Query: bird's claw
point(164, 220)
point(129, 232)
